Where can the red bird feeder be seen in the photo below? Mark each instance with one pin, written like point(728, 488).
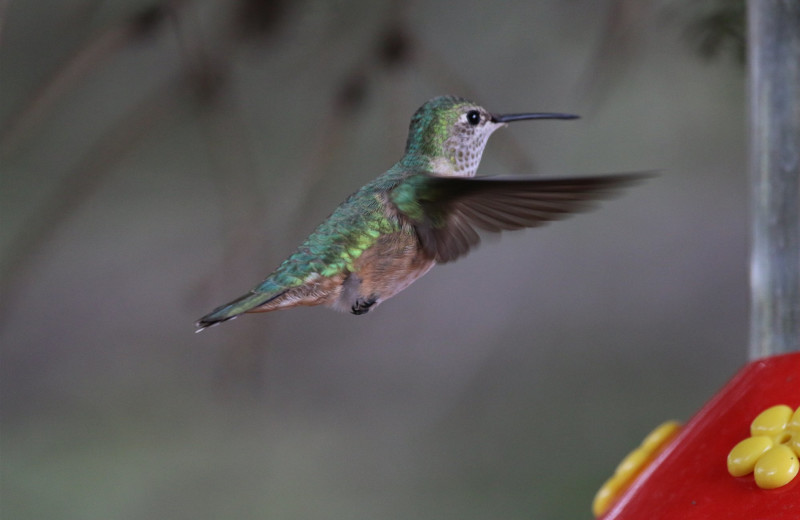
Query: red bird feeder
point(689, 478)
point(737, 458)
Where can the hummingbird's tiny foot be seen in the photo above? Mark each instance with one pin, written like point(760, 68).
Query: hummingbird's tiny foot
point(363, 305)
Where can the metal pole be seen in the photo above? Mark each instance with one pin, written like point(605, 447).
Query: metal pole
point(774, 110)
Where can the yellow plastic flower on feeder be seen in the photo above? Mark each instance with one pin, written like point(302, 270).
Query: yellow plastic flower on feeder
point(632, 465)
point(771, 452)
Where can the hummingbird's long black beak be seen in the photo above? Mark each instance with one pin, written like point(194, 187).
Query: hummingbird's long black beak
point(507, 118)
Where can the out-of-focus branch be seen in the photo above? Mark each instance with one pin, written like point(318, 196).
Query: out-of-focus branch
point(92, 55)
point(77, 187)
point(3, 10)
point(624, 32)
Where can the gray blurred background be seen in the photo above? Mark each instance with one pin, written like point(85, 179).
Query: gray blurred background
point(160, 158)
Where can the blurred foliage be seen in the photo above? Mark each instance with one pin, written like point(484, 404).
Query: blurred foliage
point(719, 28)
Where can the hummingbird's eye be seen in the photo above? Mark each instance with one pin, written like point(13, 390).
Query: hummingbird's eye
point(473, 117)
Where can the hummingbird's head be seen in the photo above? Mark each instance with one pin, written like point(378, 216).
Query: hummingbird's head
point(451, 132)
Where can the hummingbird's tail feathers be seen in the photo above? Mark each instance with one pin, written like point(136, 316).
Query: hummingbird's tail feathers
point(233, 309)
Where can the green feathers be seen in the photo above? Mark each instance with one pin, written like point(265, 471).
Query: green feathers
point(338, 242)
point(431, 126)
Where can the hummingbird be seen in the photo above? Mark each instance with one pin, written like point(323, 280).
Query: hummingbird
point(425, 210)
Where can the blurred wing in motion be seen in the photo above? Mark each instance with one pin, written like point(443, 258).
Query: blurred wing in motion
point(445, 211)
